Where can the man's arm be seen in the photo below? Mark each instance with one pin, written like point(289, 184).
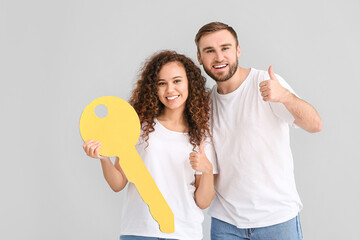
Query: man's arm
point(304, 113)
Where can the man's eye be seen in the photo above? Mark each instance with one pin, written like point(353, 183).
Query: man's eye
point(225, 48)
point(209, 51)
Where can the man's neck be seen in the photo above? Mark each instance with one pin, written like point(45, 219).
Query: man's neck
point(234, 82)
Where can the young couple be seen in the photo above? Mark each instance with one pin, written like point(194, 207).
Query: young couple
point(239, 132)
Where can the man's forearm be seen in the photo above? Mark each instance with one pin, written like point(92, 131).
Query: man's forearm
point(304, 113)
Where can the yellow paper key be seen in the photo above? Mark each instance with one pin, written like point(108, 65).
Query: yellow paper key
point(118, 133)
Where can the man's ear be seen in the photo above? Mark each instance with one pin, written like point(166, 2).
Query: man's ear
point(238, 51)
point(199, 58)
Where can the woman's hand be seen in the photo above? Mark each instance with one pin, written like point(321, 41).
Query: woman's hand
point(113, 173)
point(204, 183)
point(92, 148)
point(199, 162)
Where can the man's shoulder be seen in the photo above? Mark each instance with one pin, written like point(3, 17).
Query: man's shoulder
point(262, 75)
point(212, 91)
point(259, 75)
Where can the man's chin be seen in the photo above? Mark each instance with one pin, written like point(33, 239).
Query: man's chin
point(224, 76)
point(220, 78)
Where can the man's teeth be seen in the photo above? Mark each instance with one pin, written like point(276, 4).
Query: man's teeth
point(220, 66)
point(172, 98)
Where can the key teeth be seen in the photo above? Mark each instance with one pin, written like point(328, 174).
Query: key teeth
point(159, 209)
point(165, 226)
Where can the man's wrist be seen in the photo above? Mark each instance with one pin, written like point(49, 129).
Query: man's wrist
point(287, 97)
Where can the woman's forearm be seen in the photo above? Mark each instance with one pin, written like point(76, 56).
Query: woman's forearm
point(113, 174)
point(205, 191)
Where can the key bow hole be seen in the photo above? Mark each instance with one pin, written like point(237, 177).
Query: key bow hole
point(101, 111)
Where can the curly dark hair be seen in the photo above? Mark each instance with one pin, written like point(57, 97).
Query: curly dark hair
point(146, 102)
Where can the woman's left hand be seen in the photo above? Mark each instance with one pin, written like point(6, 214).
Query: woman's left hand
point(199, 162)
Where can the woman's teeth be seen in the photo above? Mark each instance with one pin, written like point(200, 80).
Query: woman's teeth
point(172, 98)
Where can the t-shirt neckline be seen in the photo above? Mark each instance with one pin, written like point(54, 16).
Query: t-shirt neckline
point(236, 90)
point(168, 130)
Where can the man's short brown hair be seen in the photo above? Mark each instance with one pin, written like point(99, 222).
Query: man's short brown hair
point(213, 27)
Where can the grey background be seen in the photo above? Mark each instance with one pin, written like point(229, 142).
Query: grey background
point(57, 56)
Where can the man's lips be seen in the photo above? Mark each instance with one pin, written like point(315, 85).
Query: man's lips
point(220, 66)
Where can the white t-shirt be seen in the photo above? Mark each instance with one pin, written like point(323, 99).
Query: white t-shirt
point(255, 186)
point(167, 160)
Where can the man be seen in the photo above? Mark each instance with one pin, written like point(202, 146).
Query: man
point(256, 196)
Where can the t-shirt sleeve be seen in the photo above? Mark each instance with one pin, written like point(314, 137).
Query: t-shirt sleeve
point(210, 154)
point(279, 109)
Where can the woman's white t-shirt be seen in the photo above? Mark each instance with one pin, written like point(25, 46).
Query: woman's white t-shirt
point(167, 160)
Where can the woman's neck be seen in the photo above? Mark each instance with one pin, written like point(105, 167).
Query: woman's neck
point(173, 120)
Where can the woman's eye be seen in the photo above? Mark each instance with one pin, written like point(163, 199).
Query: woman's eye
point(161, 83)
point(177, 81)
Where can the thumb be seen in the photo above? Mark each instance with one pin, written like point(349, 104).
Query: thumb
point(271, 73)
point(201, 147)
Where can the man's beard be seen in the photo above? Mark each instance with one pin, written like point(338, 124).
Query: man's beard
point(232, 70)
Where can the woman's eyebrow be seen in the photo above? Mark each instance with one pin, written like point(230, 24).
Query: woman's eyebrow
point(160, 79)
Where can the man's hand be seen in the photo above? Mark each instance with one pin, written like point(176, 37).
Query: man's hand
point(272, 91)
point(305, 115)
point(199, 162)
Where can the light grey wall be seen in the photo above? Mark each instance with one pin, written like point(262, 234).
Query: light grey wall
point(57, 56)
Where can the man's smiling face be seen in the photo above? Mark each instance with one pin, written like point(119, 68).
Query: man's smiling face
point(219, 53)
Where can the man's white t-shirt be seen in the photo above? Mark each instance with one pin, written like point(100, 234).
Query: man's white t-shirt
point(255, 186)
point(167, 160)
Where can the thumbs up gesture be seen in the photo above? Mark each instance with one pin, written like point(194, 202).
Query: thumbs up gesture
point(271, 90)
point(199, 162)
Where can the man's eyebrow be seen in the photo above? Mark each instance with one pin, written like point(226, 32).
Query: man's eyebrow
point(223, 45)
point(226, 45)
point(206, 48)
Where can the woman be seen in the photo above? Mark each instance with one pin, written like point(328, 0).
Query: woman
point(173, 106)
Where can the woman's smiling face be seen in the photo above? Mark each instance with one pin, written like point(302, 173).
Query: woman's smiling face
point(173, 86)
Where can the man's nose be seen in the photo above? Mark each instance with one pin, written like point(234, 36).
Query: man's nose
point(219, 56)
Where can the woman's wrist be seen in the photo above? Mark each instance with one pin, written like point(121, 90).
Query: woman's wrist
point(104, 159)
point(209, 169)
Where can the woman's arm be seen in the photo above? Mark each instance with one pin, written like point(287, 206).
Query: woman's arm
point(113, 173)
point(205, 192)
point(204, 184)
